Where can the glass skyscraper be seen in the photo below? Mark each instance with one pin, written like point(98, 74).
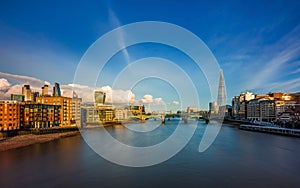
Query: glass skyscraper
point(56, 90)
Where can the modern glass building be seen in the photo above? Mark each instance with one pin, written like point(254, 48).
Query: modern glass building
point(56, 90)
point(99, 97)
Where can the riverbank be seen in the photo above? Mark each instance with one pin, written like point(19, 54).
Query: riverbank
point(29, 139)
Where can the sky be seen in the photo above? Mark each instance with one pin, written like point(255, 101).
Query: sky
point(256, 44)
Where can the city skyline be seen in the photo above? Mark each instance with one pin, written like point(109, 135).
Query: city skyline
point(149, 93)
point(259, 53)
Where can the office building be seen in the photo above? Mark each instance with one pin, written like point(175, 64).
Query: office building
point(9, 115)
point(41, 116)
point(26, 91)
point(89, 116)
point(34, 94)
point(56, 90)
point(76, 112)
point(122, 113)
point(235, 103)
point(239, 104)
point(296, 98)
point(270, 107)
point(65, 103)
point(17, 97)
point(99, 98)
point(45, 90)
point(106, 113)
point(192, 109)
point(213, 107)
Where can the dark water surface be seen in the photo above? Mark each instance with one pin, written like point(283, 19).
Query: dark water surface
point(236, 159)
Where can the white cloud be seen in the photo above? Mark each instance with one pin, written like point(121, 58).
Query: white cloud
point(117, 96)
point(6, 89)
point(147, 99)
point(113, 96)
point(158, 101)
point(15, 89)
point(12, 84)
point(84, 92)
point(4, 83)
point(20, 79)
point(175, 103)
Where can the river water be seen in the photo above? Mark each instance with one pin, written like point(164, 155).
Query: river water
point(236, 158)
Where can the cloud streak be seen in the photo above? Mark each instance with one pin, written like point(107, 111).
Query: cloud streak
point(282, 53)
point(120, 37)
point(262, 68)
point(20, 79)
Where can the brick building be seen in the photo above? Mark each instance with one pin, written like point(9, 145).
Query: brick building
point(9, 115)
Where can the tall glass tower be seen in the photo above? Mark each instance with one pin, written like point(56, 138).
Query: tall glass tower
point(99, 97)
point(221, 91)
point(56, 90)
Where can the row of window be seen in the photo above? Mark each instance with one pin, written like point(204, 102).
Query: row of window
point(9, 119)
point(10, 124)
point(9, 114)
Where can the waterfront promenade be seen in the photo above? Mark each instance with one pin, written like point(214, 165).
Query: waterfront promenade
point(271, 129)
point(29, 139)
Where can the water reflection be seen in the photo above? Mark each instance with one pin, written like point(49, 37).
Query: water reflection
point(236, 159)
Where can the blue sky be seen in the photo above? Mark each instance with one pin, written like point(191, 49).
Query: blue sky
point(256, 43)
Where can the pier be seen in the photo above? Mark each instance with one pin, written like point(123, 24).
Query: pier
point(271, 129)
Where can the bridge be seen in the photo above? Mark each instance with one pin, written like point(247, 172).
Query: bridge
point(164, 117)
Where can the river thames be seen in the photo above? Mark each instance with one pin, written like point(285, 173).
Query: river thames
point(236, 158)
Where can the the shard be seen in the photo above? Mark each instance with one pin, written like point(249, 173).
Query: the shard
point(221, 94)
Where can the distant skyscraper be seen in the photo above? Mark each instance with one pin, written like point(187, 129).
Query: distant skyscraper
point(221, 101)
point(99, 97)
point(75, 94)
point(45, 90)
point(213, 107)
point(26, 91)
point(56, 90)
point(17, 97)
point(34, 95)
point(221, 92)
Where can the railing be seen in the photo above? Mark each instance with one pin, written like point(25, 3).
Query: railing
point(271, 129)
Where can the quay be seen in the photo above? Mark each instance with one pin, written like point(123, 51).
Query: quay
point(271, 129)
